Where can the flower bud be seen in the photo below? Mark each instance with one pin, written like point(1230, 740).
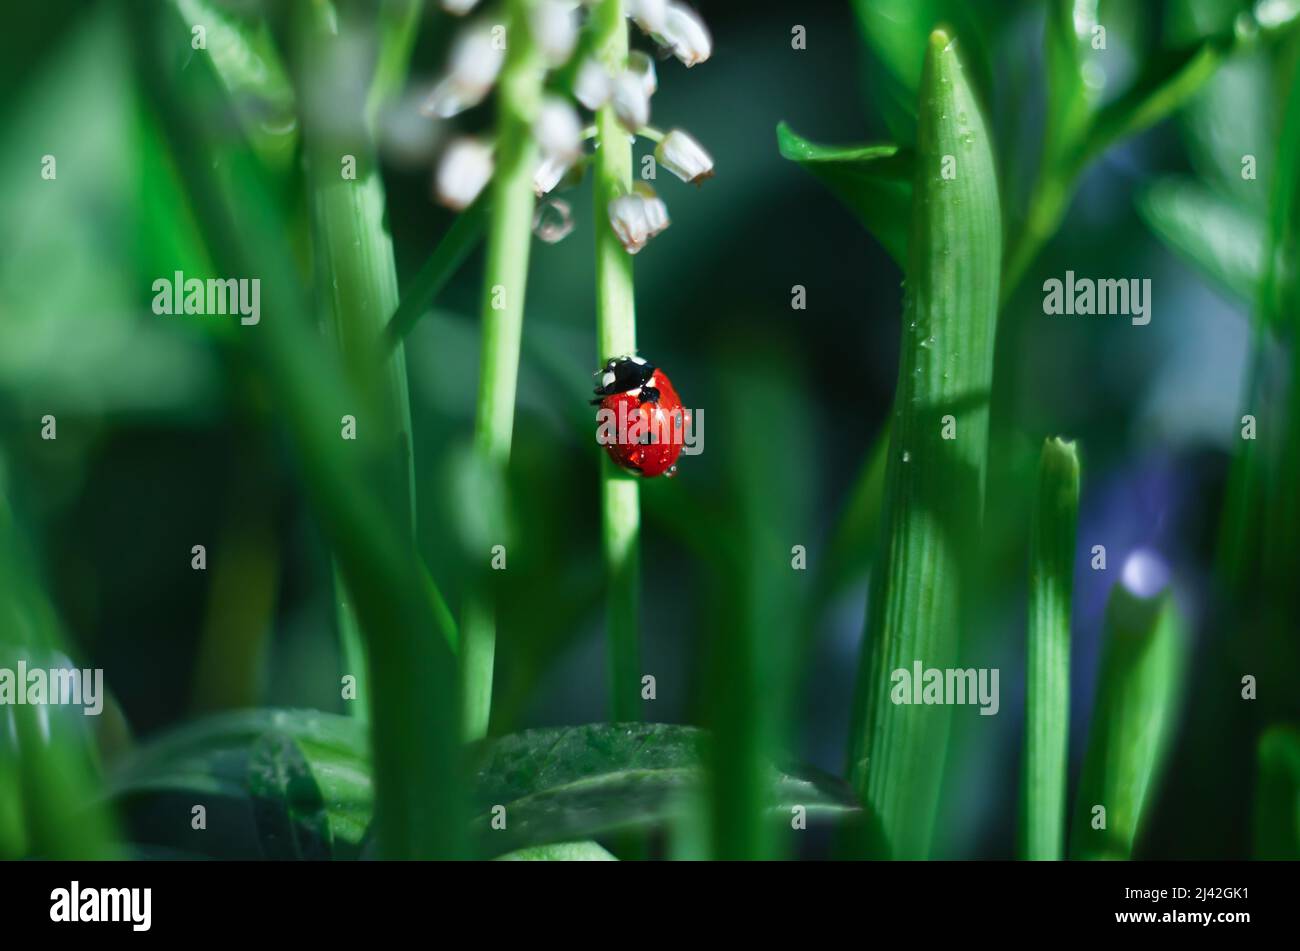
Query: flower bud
point(466, 167)
point(641, 64)
point(631, 103)
point(591, 85)
point(686, 34)
point(638, 217)
point(682, 155)
point(557, 129)
point(475, 63)
point(649, 15)
point(555, 30)
point(550, 172)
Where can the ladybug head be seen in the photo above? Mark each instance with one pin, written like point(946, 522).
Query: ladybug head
point(621, 375)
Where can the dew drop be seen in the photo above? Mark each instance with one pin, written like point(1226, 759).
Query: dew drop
point(907, 456)
point(553, 220)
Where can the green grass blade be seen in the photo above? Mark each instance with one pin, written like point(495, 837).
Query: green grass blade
point(934, 486)
point(874, 181)
point(1138, 683)
point(1277, 795)
point(461, 238)
point(1047, 675)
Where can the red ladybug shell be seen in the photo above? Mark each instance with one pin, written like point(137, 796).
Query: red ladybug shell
point(666, 420)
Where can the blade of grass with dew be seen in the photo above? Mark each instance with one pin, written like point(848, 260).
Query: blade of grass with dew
point(1277, 795)
point(1138, 683)
point(505, 278)
point(895, 32)
point(875, 181)
point(620, 493)
point(414, 703)
point(934, 486)
point(1047, 668)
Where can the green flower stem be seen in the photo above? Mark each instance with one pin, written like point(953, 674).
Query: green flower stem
point(620, 493)
point(934, 485)
point(1047, 688)
point(1137, 686)
point(510, 232)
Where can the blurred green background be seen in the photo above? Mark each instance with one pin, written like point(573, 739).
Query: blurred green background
point(164, 444)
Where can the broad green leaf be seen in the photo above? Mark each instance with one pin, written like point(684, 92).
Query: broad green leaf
point(566, 783)
point(1047, 674)
point(280, 783)
point(1221, 237)
point(560, 852)
point(934, 487)
point(296, 784)
point(1138, 683)
point(874, 181)
point(1277, 795)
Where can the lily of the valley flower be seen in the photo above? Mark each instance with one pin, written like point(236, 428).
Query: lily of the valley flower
point(459, 7)
point(466, 167)
point(549, 173)
point(591, 85)
point(686, 34)
point(649, 15)
point(682, 155)
point(641, 64)
point(557, 129)
point(631, 101)
point(638, 217)
point(555, 30)
point(475, 63)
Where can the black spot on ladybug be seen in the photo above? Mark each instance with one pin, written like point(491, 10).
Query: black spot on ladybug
point(624, 375)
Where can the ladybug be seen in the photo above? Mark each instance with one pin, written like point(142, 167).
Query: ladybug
point(645, 413)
